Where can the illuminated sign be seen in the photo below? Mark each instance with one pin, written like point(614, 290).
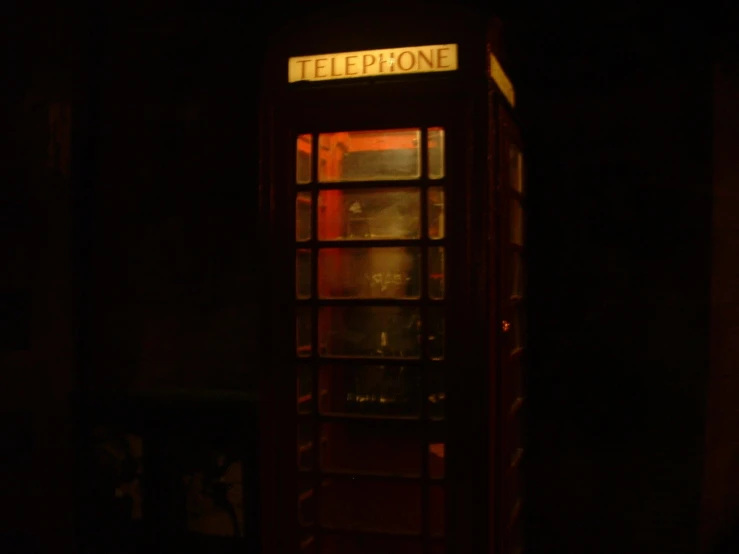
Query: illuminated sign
point(502, 80)
point(373, 63)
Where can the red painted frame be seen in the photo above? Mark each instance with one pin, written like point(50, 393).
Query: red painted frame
point(478, 122)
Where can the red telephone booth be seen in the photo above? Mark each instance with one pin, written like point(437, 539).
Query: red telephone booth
point(392, 202)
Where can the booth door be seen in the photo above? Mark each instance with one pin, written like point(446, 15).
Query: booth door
point(370, 306)
point(512, 393)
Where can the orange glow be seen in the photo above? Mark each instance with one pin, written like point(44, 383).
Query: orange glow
point(304, 143)
point(354, 143)
point(368, 142)
point(437, 449)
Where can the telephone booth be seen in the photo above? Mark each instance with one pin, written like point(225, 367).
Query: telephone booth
point(392, 202)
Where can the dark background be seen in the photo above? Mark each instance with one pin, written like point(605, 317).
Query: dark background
point(137, 268)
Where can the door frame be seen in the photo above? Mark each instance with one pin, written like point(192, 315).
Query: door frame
point(327, 108)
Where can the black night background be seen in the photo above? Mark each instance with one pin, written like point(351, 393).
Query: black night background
point(130, 254)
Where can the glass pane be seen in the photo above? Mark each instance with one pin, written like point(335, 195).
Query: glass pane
point(370, 155)
point(515, 535)
point(437, 548)
point(305, 390)
point(369, 214)
point(516, 222)
point(436, 459)
point(303, 159)
point(347, 544)
point(515, 378)
point(437, 394)
point(436, 511)
point(307, 544)
point(371, 506)
point(514, 518)
point(436, 212)
point(303, 216)
point(516, 168)
point(517, 275)
point(388, 391)
point(302, 274)
point(512, 437)
point(435, 330)
point(436, 272)
point(436, 152)
point(516, 456)
point(519, 325)
point(303, 331)
point(392, 272)
point(385, 332)
point(516, 541)
point(377, 448)
point(306, 452)
point(306, 503)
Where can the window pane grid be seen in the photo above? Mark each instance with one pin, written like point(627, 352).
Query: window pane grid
point(421, 182)
point(424, 342)
point(424, 294)
point(316, 481)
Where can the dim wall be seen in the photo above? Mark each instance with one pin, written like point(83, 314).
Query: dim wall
point(176, 232)
point(721, 485)
point(616, 114)
point(43, 79)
